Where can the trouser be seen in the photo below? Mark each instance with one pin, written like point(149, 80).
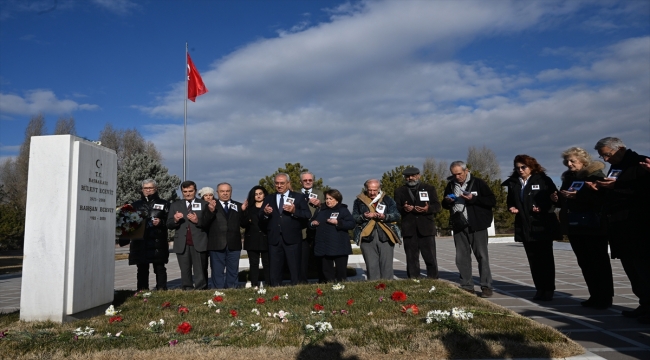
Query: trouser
point(542, 264)
point(304, 261)
point(190, 261)
point(224, 259)
point(593, 259)
point(628, 243)
point(413, 246)
point(378, 257)
point(254, 270)
point(466, 243)
point(280, 254)
point(637, 269)
point(143, 276)
point(335, 267)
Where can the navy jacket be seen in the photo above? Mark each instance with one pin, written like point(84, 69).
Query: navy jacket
point(333, 240)
point(281, 224)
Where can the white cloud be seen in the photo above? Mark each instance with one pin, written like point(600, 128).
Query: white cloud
point(379, 86)
point(40, 101)
point(120, 7)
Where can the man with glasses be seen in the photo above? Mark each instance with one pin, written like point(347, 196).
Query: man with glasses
point(153, 248)
point(416, 203)
point(313, 199)
point(627, 210)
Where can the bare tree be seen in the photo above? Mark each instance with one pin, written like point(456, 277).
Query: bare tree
point(127, 143)
point(484, 161)
point(438, 169)
point(65, 126)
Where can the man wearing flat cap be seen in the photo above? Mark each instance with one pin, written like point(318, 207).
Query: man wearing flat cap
point(417, 202)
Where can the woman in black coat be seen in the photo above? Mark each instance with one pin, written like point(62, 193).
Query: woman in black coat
point(255, 242)
point(332, 241)
point(580, 221)
point(536, 225)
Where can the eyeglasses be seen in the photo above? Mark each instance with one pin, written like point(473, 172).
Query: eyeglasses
point(308, 180)
point(522, 167)
point(148, 188)
point(608, 155)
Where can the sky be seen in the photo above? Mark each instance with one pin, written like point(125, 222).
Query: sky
point(349, 89)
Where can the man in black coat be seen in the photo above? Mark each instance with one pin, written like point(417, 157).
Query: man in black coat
point(153, 248)
point(313, 198)
point(417, 203)
point(224, 238)
point(283, 216)
point(473, 198)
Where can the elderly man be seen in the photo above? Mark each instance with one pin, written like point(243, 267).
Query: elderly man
point(376, 213)
point(313, 199)
point(627, 195)
point(153, 248)
point(417, 203)
point(283, 216)
point(224, 237)
point(471, 197)
point(191, 239)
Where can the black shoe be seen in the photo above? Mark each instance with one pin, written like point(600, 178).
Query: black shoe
point(547, 295)
point(538, 295)
point(486, 292)
point(638, 312)
point(471, 291)
point(588, 303)
point(599, 304)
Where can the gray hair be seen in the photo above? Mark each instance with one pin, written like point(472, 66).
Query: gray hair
point(613, 143)
point(283, 174)
point(224, 183)
point(307, 172)
point(149, 181)
point(365, 184)
point(206, 190)
point(458, 163)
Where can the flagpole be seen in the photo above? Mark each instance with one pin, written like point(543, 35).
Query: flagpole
point(185, 122)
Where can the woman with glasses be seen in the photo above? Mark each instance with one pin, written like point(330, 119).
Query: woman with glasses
point(536, 225)
point(580, 221)
point(255, 242)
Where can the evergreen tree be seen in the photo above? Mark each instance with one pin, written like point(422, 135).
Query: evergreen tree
point(139, 167)
point(294, 171)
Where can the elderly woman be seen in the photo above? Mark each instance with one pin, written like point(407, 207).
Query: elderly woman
point(255, 242)
point(529, 197)
point(332, 241)
point(579, 216)
point(206, 193)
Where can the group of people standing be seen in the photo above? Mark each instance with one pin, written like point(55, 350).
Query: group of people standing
point(283, 229)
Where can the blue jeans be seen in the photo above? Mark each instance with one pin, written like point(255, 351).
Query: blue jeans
point(228, 260)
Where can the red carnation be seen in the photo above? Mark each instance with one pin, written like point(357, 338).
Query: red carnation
point(260, 300)
point(183, 310)
point(217, 299)
point(184, 328)
point(350, 302)
point(398, 296)
point(411, 309)
point(318, 307)
point(275, 298)
point(166, 304)
point(115, 319)
point(381, 286)
point(319, 292)
point(233, 313)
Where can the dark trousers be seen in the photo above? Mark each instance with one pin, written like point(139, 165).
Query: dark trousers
point(335, 268)
point(284, 253)
point(143, 276)
point(224, 259)
point(637, 269)
point(190, 261)
point(466, 243)
point(304, 261)
point(542, 264)
point(413, 246)
point(593, 259)
point(254, 270)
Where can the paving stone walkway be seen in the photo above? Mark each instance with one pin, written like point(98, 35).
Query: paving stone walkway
point(603, 333)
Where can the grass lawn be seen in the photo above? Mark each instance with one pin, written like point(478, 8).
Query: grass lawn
point(365, 324)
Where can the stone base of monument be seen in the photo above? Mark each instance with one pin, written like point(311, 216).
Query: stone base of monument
point(69, 253)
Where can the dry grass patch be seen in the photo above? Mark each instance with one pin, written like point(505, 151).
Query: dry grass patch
point(365, 324)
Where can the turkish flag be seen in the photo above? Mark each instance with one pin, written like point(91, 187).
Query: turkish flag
point(195, 85)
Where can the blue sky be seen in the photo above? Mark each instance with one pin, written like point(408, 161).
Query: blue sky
point(348, 89)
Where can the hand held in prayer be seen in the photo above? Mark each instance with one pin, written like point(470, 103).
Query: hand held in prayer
point(513, 210)
point(212, 205)
point(332, 221)
point(191, 216)
point(178, 216)
point(290, 208)
point(244, 205)
point(268, 209)
point(554, 196)
point(422, 209)
point(407, 207)
point(314, 223)
point(606, 183)
point(535, 209)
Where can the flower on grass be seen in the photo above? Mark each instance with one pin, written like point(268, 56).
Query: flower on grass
point(456, 313)
point(319, 292)
point(338, 287)
point(218, 293)
point(184, 328)
point(256, 327)
point(285, 296)
point(260, 301)
point(117, 335)
point(344, 312)
point(370, 313)
point(318, 312)
point(237, 323)
point(350, 302)
point(3, 334)
point(210, 303)
point(261, 291)
point(461, 314)
point(433, 288)
point(111, 311)
point(410, 309)
point(88, 331)
point(156, 326)
point(381, 298)
point(183, 310)
point(282, 315)
point(380, 286)
point(146, 295)
point(256, 312)
point(398, 296)
point(318, 307)
point(218, 311)
point(233, 313)
point(309, 328)
point(166, 305)
point(416, 280)
point(173, 342)
point(323, 326)
point(275, 298)
point(115, 319)
point(217, 298)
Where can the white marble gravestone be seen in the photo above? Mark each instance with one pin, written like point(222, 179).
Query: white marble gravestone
point(69, 253)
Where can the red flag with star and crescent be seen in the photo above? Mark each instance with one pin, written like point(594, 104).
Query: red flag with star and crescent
point(195, 85)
